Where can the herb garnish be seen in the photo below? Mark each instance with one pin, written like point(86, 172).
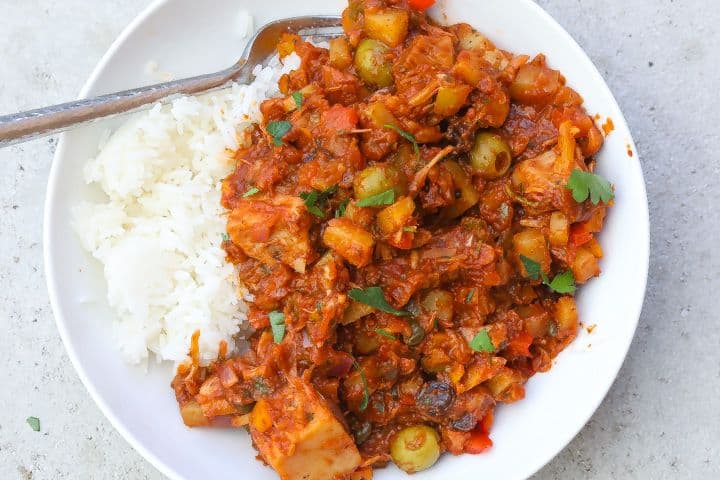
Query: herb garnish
point(277, 324)
point(374, 297)
point(278, 130)
point(385, 198)
point(385, 333)
point(407, 136)
point(562, 283)
point(315, 199)
point(34, 423)
point(341, 209)
point(482, 342)
point(225, 237)
point(251, 191)
point(298, 97)
point(366, 391)
point(585, 184)
point(470, 296)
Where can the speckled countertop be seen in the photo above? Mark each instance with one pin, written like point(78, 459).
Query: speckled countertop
point(661, 419)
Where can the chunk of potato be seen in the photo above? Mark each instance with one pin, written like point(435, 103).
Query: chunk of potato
point(393, 218)
point(351, 242)
point(305, 440)
point(531, 243)
point(450, 99)
point(468, 195)
point(389, 25)
point(340, 55)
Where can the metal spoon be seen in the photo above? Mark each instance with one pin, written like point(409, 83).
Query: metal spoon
point(24, 126)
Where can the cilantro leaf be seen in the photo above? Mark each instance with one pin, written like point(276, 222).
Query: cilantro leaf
point(277, 324)
point(34, 423)
point(251, 191)
point(225, 237)
point(341, 209)
point(411, 229)
point(366, 390)
point(482, 342)
point(315, 199)
point(406, 135)
point(385, 198)
point(374, 297)
point(278, 130)
point(532, 268)
point(586, 184)
point(384, 333)
point(563, 282)
point(298, 97)
point(470, 296)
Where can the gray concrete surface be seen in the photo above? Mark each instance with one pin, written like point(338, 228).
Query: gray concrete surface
point(661, 419)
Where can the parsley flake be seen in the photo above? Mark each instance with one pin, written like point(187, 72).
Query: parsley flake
point(366, 390)
point(340, 212)
point(482, 342)
point(277, 324)
point(315, 199)
point(561, 283)
point(532, 268)
point(385, 198)
point(385, 333)
point(34, 423)
point(470, 296)
point(374, 297)
point(298, 97)
point(585, 184)
point(407, 136)
point(278, 130)
point(225, 237)
point(251, 191)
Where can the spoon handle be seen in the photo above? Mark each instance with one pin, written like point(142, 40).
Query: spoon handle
point(24, 126)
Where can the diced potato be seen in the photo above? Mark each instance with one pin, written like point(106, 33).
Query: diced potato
point(306, 441)
point(389, 25)
point(566, 316)
point(351, 242)
point(340, 54)
point(192, 415)
point(286, 45)
point(468, 195)
point(272, 230)
point(355, 311)
point(362, 216)
point(472, 40)
point(559, 229)
point(440, 304)
point(260, 416)
point(535, 84)
point(379, 115)
point(450, 99)
point(506, 386)
point(396, 216)
point(585, 266)
point(531, 243)
point(469, 67)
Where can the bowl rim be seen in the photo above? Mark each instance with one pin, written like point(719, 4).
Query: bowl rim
point(50, 276)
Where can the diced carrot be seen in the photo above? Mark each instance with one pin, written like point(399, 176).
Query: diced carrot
point(421, 4)
point(520, 345)
point(338, 118)
point(478, 442)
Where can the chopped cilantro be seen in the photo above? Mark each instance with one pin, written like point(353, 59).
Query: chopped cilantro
point(277, 324)
point(470, 296)
point(277, 130)
point(384, 333)
point(34, 423)
point(340, 212)
point(251, 191)
point(366, 391)
point(225, 237)
point(316, 198)
point(406, 135)
point(561, 283)
point(385, 198)
point(532, 268)
point(410, 229)
point(585, 184)
point(482, 342)
point(374, 297)
point(298, 97)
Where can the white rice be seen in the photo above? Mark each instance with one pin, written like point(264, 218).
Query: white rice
point(158, 234)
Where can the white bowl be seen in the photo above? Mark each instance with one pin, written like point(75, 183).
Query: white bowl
point(187, 37)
